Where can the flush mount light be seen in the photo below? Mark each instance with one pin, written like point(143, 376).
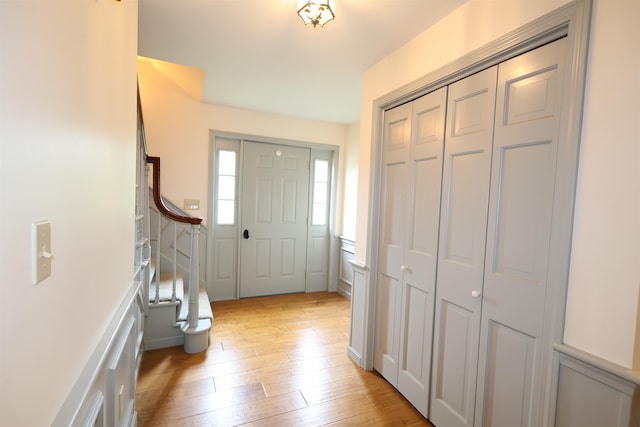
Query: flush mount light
point(317, 12)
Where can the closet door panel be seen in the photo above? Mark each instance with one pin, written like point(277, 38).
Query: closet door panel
point(393, 219)
point(390, 273)
point(454, 357)
point(508, 393)
point(511, 363)
point(417, 335)
point(387, 336)
point(420, 257)
point(463, 222)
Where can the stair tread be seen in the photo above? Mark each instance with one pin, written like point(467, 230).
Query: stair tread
point(166, 288)
point(204, 307)
point(166, 291)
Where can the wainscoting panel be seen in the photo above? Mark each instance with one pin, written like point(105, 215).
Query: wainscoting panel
point(345, 270)
point(104, 392)
point(359, 317)
point(589, 395)
point(120, 390)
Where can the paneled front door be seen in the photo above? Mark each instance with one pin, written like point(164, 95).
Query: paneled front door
point(275, 203)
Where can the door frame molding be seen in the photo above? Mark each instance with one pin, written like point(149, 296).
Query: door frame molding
point(211, 204)
point(571, 21)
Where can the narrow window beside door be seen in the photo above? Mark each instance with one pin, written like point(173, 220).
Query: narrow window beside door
point(320, 193)
point(225, 214)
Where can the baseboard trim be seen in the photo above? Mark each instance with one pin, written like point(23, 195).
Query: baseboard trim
point(164, 342)
point(344, 293)
point(354, 356)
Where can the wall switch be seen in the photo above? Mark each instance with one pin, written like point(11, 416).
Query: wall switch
point(191, 204)
point(40, 251)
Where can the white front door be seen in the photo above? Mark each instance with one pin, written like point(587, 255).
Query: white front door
point(275, 200)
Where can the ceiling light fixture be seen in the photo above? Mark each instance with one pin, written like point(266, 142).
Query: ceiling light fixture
point(317, 12)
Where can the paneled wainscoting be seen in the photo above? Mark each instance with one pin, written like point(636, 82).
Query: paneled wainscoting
point(279, 360)
point(345, 271)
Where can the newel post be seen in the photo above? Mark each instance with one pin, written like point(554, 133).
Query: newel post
point(194, 277)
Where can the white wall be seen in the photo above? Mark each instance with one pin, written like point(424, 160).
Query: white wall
point(603, 289)
point(177, 128)
point(605, 265)
point(350, 182)
point(68, 138)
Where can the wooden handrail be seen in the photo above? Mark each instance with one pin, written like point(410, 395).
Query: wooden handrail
point(155, 161)
point(143, 138)
point(157, 198)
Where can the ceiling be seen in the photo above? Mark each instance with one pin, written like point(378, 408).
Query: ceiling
point(258, 54)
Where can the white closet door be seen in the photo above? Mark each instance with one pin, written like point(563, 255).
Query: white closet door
point(463, 224)
point(421, 249)
point(397, 134)
point(410, 205)
point(510, 370)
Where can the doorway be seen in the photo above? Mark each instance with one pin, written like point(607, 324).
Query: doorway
point(271, 214)
point(273, 219)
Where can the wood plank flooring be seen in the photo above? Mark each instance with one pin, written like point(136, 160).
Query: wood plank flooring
point(272, 361)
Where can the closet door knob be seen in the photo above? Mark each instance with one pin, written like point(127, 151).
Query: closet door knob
point(476, 294)
point(404, 267)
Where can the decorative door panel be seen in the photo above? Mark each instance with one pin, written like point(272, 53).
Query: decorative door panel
point(521, 210)
point(415, 350)
point(387, 332)
point(452, 364)
point(394, 220)
point(508, 395)
point(397, 134)
point(463, 222)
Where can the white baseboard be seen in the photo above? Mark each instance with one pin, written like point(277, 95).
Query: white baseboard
point(164, 342)
point(354, 356)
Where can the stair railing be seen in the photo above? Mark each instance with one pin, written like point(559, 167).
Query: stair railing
point(194, 268)
point(143, 231)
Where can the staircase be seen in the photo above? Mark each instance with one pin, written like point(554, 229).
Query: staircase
point(177, 311)
point(167, 319)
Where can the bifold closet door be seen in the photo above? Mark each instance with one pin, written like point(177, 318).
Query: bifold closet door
point(511, 368)
point(393, 216)
point(463, 225)
point(411, 176)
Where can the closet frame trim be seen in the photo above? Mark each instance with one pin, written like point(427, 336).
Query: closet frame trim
point(571, 21)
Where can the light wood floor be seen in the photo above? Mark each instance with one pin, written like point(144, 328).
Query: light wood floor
point(277, 361)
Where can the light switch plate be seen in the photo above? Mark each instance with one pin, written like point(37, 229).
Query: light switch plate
point(191, 204)
point(40, 251)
